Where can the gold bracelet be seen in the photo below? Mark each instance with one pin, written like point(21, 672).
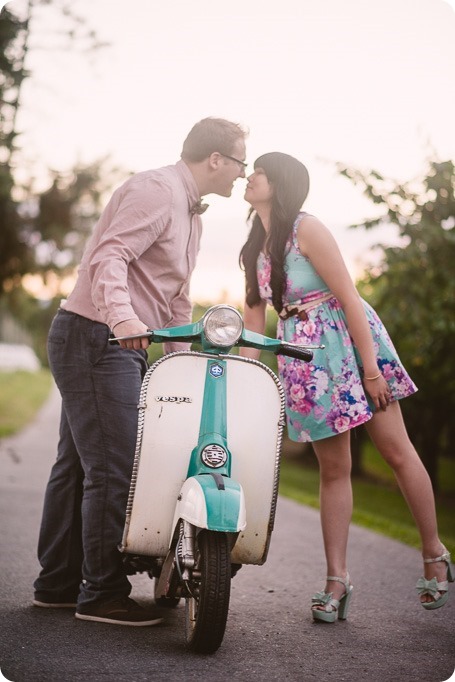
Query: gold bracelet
point(376, 376)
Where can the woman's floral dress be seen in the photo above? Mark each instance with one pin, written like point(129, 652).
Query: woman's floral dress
point(326, 396)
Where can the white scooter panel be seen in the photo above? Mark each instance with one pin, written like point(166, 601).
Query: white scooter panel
point(255, 417)
point(169, 420)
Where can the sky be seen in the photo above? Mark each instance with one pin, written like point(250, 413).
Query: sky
point(366, 83)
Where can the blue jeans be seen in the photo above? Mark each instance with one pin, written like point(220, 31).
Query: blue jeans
point(86, 496)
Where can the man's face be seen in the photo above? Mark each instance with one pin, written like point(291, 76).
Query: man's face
point(230, 168)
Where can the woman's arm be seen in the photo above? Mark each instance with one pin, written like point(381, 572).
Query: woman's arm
point(254, 320)
point(317, 243)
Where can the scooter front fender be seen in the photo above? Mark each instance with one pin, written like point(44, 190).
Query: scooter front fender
point(212, 502)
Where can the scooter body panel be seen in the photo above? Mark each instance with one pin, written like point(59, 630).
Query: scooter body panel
point(255, 416)
point(202, 503)
point(169, 423)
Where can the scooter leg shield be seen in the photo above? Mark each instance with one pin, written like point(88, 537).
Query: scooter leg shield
point(212, 501)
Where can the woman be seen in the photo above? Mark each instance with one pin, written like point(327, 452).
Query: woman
point(292, 262)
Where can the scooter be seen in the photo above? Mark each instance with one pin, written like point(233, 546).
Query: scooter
point(204, 486)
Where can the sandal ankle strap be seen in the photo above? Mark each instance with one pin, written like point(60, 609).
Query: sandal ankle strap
point(444, 557)
point(344, 581)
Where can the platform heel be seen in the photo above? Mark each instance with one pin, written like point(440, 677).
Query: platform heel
point(439, 591)
point(333, 608)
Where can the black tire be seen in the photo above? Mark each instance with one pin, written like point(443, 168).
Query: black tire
point(206, 612)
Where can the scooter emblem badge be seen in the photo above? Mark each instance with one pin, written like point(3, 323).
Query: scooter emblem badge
point(216, 370)
point(214, 456)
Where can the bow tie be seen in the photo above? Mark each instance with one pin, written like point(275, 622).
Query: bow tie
point(198, 208)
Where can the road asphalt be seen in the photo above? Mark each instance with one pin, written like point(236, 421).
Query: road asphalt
point(270, 635)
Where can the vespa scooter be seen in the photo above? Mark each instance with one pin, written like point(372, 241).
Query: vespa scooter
point(204, 487)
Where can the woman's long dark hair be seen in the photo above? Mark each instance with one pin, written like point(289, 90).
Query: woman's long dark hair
point(290, 182)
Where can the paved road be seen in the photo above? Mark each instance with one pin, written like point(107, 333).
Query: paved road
point(270, 634)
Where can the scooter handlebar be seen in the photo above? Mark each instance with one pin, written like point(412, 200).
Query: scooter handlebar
point(292, 351)
point(114, 340)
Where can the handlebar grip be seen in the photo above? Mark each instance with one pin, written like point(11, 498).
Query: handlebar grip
point(114, 341)
point(292, 351)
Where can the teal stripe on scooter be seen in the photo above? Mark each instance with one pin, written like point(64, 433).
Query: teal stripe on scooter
point(213, 425)
point(222, 504)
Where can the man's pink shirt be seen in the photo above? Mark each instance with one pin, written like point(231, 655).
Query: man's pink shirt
point(140, 257)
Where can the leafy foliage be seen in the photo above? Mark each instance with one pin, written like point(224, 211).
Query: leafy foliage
point(14, 253)
point(13, 30)
point(59, 220)
point(413, 290)
point(41, 233)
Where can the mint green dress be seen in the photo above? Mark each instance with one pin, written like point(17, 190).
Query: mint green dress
point(326, 396)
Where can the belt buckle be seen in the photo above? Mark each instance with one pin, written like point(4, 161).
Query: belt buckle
point(295, 312)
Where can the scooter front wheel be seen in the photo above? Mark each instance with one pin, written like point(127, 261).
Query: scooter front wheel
point(207, 607)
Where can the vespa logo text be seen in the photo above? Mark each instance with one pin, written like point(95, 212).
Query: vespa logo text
point(172, 399)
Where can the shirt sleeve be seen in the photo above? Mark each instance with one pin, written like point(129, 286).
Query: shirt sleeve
point(138, 215)
point(181, 309)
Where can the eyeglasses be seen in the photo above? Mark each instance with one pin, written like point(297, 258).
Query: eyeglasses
point(242, 164)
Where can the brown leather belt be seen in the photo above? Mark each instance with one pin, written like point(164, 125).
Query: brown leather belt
point(301, 309)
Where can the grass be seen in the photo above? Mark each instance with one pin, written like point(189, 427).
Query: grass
point(378, 504)
point(21, 396)
point(377, 468)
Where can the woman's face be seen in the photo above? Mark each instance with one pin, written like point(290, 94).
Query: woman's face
point(259, 191)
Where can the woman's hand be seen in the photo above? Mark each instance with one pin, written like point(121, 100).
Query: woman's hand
point(378, 390)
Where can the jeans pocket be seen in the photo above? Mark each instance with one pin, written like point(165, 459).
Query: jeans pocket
point(57, 332)
point(97, 341)
point(55, 340)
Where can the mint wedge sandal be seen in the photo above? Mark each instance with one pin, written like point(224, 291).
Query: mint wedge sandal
point(332, 608)
point(438, 591)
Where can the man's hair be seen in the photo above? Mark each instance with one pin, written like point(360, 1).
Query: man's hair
point(211, 135)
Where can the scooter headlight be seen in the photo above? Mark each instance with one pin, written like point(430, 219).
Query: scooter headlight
point(223, 326)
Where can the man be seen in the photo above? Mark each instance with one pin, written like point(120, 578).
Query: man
point(134, 276)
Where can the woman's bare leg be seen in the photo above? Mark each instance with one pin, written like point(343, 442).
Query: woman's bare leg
point(334, 457)
point(388, 432)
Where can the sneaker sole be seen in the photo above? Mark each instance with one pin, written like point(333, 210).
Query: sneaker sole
point(47, 605)
point(113, 621)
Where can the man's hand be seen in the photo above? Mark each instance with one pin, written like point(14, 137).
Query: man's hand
point(131, 328)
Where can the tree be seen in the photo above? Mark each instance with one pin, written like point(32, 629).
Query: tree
point(57, 222)
point(55, 225)
point(40, 233)
point(17, 254)
point(16, 35)
point(14, 254)
point(13, 31)
point(413, 290)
